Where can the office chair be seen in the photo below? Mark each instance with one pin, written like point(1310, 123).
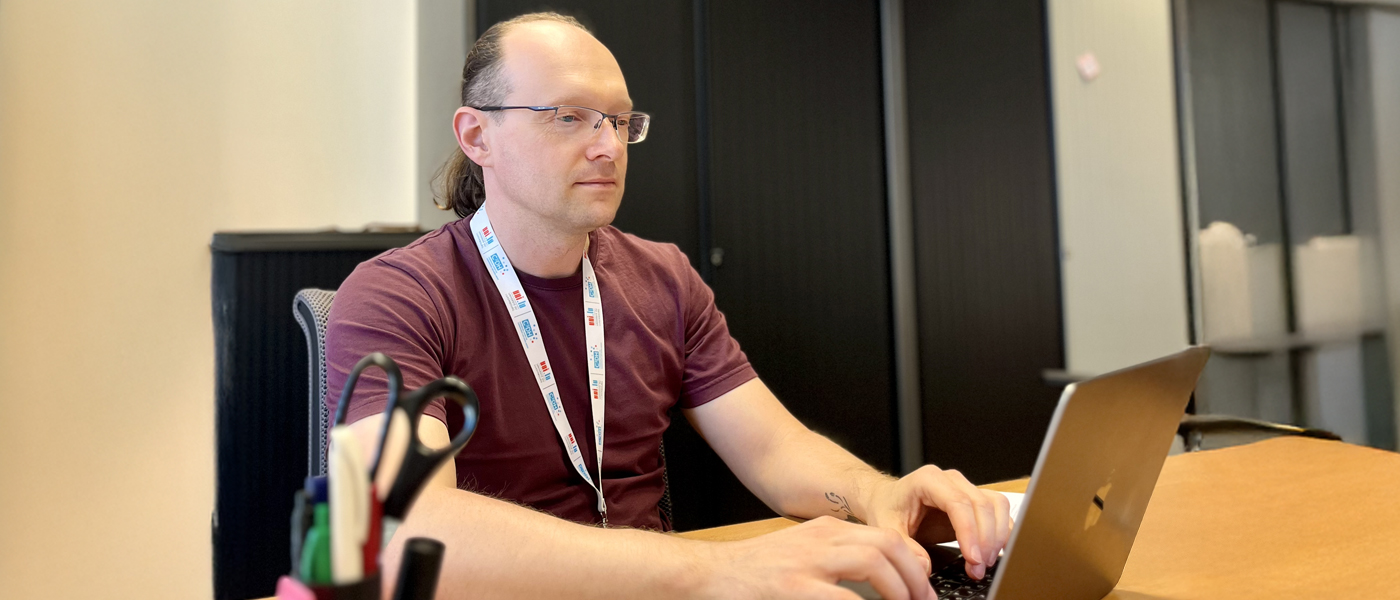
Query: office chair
point(1194, 428)
point(311, 307)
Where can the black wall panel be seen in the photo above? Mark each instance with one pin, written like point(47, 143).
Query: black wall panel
point(798, 198)
point(985, 229)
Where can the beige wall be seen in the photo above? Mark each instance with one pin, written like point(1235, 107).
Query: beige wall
point(129, 132)
point(1123, 256)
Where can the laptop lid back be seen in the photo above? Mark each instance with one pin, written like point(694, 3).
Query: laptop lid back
point(1097, 467)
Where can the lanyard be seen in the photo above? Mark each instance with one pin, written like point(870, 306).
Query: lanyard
point(527, 328)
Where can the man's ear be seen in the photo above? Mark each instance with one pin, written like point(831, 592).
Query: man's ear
point(470, 127)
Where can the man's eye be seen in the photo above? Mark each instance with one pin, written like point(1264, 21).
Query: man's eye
point(568, 118)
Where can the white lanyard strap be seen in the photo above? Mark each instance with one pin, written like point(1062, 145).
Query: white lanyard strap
point(527, 328)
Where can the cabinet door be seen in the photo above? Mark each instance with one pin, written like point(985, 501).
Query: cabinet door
point(797, 183)
point(987, 263)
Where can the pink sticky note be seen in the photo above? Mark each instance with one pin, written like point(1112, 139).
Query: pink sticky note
point(291, 589)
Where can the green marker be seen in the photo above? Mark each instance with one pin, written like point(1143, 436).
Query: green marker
point(316, 550)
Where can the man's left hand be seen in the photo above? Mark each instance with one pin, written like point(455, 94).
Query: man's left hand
point(932, 506)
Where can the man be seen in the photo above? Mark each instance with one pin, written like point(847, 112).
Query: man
point(507, 300)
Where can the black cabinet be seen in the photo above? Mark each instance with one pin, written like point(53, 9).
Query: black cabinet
point(261, 390)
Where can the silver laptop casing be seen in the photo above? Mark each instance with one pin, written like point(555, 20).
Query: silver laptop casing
point(1107, 440)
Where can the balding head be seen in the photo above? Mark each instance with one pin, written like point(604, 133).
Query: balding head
point(542, 59)
point(512, 59)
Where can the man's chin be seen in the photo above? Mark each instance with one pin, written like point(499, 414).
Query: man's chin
point(598, 212)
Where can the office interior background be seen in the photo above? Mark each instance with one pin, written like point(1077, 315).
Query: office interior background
point(921, 219)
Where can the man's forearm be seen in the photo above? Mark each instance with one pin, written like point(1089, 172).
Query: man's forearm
point(806, 475)
point(788, 466)
point(500, 550)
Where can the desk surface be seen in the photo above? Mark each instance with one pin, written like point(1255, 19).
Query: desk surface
point(1283, 518)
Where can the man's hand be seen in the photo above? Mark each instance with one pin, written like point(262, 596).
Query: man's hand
point(806, 561)
point(932, 506)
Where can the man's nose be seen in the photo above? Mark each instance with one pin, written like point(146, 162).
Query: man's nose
point(605, 142)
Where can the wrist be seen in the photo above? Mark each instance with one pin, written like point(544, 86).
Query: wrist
point(873, 496)
point(701, 570)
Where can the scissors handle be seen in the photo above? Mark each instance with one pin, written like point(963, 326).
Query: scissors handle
point(391, 372)
point(419, 461)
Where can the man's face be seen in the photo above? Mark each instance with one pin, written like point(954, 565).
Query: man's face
point(572, 181)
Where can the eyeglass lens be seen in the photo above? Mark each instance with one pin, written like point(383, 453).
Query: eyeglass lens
point(574, 120)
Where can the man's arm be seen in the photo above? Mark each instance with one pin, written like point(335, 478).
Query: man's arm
point(498, 549)
point(802, 474)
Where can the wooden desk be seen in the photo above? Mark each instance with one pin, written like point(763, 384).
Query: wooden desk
point(1283, 518)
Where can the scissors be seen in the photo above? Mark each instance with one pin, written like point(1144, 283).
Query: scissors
point(409, 472)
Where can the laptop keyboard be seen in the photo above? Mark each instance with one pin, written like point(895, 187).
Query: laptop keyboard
point(952, 582)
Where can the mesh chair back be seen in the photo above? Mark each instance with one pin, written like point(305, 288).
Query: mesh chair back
point(311, 307)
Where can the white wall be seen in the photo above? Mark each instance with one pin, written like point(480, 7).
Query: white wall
point(1123, 262)
point(1383, 96)
point(130, 132)
point(443, 40)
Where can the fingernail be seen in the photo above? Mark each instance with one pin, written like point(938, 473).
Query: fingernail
point(975, 556)
point(979, 571)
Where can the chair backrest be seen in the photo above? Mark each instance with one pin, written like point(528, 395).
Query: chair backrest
point(311, 307)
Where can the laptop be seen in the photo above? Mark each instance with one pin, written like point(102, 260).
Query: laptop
point(1097, 467)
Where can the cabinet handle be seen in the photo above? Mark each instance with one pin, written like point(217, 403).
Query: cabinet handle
point(716, 256)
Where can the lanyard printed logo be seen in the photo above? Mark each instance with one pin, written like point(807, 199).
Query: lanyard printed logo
point(531, 340)
point(484, 236)
point(517, 299)
point(529, 333)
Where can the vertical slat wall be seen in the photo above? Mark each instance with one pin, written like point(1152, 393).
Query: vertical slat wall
point(985, 231)
point(799, 210)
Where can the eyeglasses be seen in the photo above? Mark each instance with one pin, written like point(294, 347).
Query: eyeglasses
point(573, 121)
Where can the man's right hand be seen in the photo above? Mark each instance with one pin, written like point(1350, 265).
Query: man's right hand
point(807, 561)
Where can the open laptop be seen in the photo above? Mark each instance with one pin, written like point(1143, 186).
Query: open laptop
point(1097, 467)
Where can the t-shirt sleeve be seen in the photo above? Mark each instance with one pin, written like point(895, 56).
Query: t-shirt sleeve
point(714, 364)
point(381, 308)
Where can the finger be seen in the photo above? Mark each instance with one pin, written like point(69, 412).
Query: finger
point(984, 510)
point(1003, 507)
point(986, 525)
point(964, 521)
point(906, 561)
point(937, 490)
point(919, 553)
point(859, 562)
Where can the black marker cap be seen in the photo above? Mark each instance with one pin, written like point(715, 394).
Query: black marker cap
point(418, 573)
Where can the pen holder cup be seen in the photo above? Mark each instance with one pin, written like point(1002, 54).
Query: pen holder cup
point(368, 588)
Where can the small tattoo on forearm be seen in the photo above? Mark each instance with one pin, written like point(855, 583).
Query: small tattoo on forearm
point(843, 507)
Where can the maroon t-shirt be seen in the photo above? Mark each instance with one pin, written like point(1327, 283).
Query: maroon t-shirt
point(433, 307)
